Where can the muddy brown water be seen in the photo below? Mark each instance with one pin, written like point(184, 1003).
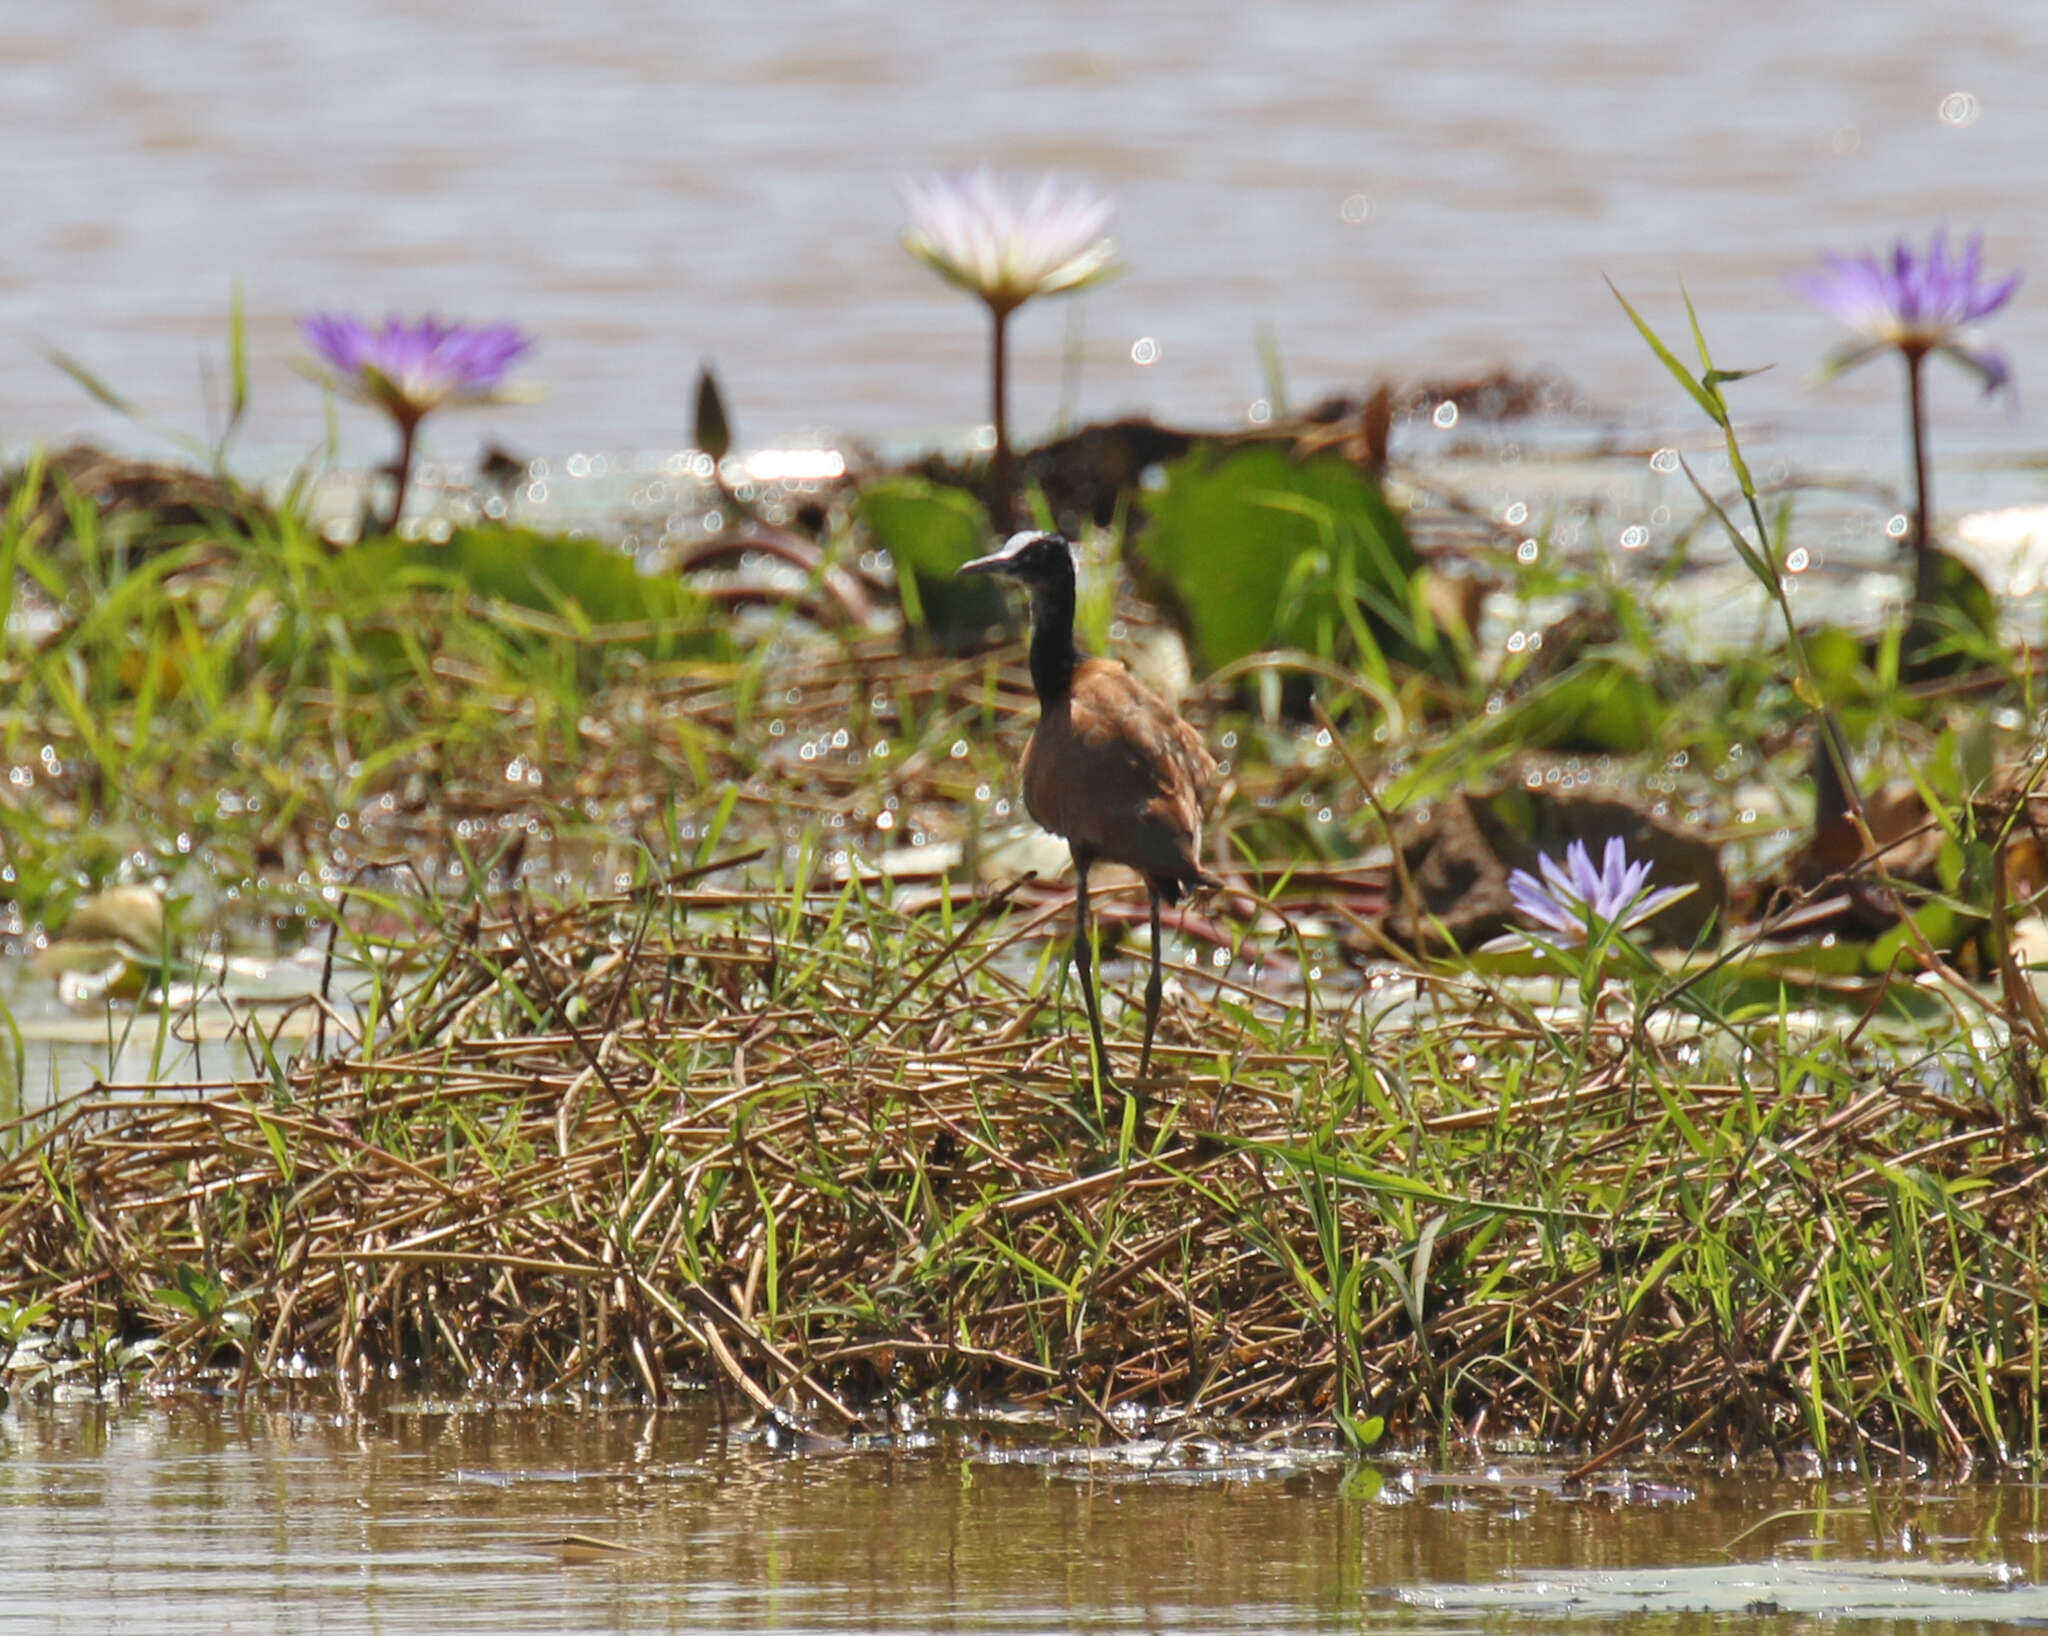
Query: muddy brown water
point(1419, 191)
point(200, 1516)
point(1414, 191)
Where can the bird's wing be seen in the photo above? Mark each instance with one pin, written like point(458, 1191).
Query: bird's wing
point(1118, 773)
point(1198, 763)
point(1127, 731)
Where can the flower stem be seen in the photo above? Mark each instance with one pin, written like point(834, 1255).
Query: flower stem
point(401, 471)
point(1001, 499)
point(1916, 410)
point(1920, 628)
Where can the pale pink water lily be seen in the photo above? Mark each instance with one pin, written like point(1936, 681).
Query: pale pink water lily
point(1575, 899)
point(995, 240)
point(409, 370)
point(1006, 242)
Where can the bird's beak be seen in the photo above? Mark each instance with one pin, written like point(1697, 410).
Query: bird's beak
point(993, 563)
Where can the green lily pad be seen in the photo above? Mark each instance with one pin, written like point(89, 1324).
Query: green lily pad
point(1255, 549)
point(585, 583)
point(1601, 704)
point(1953, 621)
point(929, 531)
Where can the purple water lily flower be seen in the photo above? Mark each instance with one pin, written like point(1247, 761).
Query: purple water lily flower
point(1574, 898)
point(1913, 303)
point(411, 369)
point(1004, 244)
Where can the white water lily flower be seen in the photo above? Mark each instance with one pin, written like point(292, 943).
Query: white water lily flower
point(991, 238)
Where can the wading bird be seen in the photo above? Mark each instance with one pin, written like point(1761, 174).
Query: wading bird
point(1110, 767)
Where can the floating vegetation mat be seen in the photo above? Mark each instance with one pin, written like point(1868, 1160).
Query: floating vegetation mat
point(692, 1001)
point(819, 1152)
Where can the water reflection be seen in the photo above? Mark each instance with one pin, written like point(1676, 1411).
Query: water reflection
point(192, 1516)
point(55, 1043)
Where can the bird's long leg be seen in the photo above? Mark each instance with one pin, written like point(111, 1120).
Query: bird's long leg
point(1154, 987)
point(1084, 963)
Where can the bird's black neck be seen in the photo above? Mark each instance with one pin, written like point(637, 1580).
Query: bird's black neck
point(1053, 655)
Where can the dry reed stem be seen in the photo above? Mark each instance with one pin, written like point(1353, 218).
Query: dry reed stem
point(686, 1173)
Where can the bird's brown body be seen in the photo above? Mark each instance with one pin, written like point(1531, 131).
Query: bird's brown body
point(1110, 767)
point(1122, 778)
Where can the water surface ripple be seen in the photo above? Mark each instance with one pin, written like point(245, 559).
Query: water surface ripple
point(195, 1516)
point(1412, 190)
